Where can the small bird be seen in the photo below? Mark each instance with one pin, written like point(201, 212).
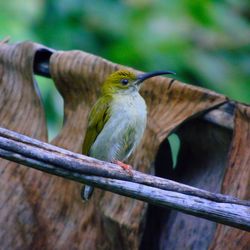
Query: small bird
point(117, 120)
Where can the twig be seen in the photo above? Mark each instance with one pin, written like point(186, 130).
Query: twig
point(95, 167)
point(51, 159)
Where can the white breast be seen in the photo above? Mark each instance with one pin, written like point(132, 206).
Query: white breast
point(127, 111)
point(131, 106)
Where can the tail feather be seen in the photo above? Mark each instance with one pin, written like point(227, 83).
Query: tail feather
point(87, 192)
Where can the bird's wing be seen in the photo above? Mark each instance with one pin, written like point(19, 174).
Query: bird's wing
point(98, 117)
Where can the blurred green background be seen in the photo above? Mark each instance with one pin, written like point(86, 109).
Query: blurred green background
point(206, 42)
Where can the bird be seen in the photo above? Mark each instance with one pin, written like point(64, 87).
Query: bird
point(117, 121)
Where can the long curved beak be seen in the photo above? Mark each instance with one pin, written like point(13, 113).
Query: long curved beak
point(145, 76)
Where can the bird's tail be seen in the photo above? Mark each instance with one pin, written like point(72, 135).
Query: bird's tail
point(87, 192)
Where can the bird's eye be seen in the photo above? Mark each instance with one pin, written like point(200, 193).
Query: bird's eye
point(124, 81)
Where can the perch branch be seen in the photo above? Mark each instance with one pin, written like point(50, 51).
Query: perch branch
point(155, 190)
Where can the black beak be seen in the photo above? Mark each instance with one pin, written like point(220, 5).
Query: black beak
point(143, 77)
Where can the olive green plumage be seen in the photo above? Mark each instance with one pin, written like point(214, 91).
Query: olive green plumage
point(117, 120)
point(97, 119)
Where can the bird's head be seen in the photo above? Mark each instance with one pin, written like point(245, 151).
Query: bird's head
point(127, 81)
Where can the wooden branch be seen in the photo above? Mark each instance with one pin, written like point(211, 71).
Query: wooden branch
point(54, 160)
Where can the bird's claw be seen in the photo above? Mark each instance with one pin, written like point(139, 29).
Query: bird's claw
point(124, 166)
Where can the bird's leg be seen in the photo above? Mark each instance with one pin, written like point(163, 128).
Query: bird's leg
point(124, 166)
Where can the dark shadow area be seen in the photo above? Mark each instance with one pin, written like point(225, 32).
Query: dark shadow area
point(201, 163)
point(157, 216)
point(41, 62)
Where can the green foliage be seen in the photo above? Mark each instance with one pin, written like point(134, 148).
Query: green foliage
point(53, 104)
point(174, 142)
point(206, 42)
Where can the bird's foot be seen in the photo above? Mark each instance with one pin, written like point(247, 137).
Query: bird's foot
point(124, 166)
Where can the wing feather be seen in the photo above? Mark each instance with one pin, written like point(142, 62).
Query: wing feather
point(98, 117)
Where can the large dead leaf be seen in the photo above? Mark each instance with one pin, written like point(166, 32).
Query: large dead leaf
point(237, 180)
point(21, 188)
point(42, 211)
point(78, 77)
